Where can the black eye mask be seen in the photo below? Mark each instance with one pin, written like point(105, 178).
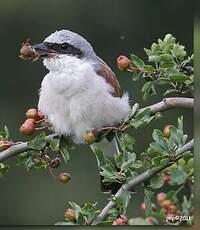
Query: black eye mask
point(64, 48)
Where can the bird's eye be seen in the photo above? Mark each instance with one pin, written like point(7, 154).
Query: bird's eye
point(64, 46)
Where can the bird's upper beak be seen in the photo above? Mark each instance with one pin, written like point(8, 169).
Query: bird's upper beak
point(43, 50)
point(33, 52)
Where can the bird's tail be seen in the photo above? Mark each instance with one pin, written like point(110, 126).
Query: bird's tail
point(110, 149)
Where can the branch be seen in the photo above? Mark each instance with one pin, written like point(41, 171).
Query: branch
point(167, 103)
point(170, 103)
point(138, 180)
point(19, 148)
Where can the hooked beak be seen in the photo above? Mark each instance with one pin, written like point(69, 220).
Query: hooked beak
point(43, 50)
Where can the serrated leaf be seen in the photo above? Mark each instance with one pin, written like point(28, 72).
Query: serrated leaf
point(147, 200)
point(178, 176)
point(126, 141)
point(169, 91)
point(154, 58)
point(178, 77)
point(136, 75)
point(101, 160)
point(38, 143)
point(63, 148)
point(55, 143)
point(156, 182)
point(137, 61)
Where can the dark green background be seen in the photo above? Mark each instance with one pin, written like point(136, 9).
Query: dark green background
point(113, 27)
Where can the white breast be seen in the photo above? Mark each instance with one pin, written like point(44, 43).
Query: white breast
point(76, 99)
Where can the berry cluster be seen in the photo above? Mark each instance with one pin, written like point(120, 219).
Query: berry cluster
point(165, 203)
point(27, 52)
point(34, 117)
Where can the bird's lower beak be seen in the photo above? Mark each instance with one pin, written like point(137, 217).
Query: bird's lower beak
point(43, 50)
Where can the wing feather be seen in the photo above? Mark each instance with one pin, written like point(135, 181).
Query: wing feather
point(106, 72)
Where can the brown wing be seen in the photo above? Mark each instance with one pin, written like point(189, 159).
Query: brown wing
point(106, 72)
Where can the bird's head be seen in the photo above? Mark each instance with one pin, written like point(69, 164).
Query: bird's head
point(60, 44)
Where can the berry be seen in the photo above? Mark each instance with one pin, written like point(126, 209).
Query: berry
point(28, 127)
point(122, 220)
point(166, 130)
point(123, 62)
point(32, 113)
point(70, 214)
point(55, 163)
point(5, 145)
point(63, 177)
point(172, 209)
point(166, 179)
point(27, 52)
point(90, 137)
point(161, 196)
point(30, 121)
point(165, 203)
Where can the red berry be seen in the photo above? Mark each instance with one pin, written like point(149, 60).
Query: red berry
point(32, 113)
point(165, 203)
point(28, 127)
point(166, 179)
point(161, 196)
point(70, 214)
point(172, 209)
point(123, 62)
point(30, 121)
point(63, 177)
point(166, 130)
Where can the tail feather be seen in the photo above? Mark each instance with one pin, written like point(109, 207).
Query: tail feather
point(110, 149)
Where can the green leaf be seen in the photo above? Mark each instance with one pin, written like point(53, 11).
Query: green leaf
point(137, 61)
point(3, 169)
point(148, 68)
point(38, 143)
point(119, 160)
point(142, 118)
point(147, 200)
point(162, 81)
point(55, 143)
point(101, 160)
point(154, 58)
point(136, 75)
point(126, 141)
point(169, 91)
point(156, 182)
point(178, 176)
point(4, 135)
point(148, 52)
point(178, 77)
point(166, 57)
point(63, 148)
point(75, 207)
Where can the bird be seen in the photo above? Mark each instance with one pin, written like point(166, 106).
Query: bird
point(80, 92)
